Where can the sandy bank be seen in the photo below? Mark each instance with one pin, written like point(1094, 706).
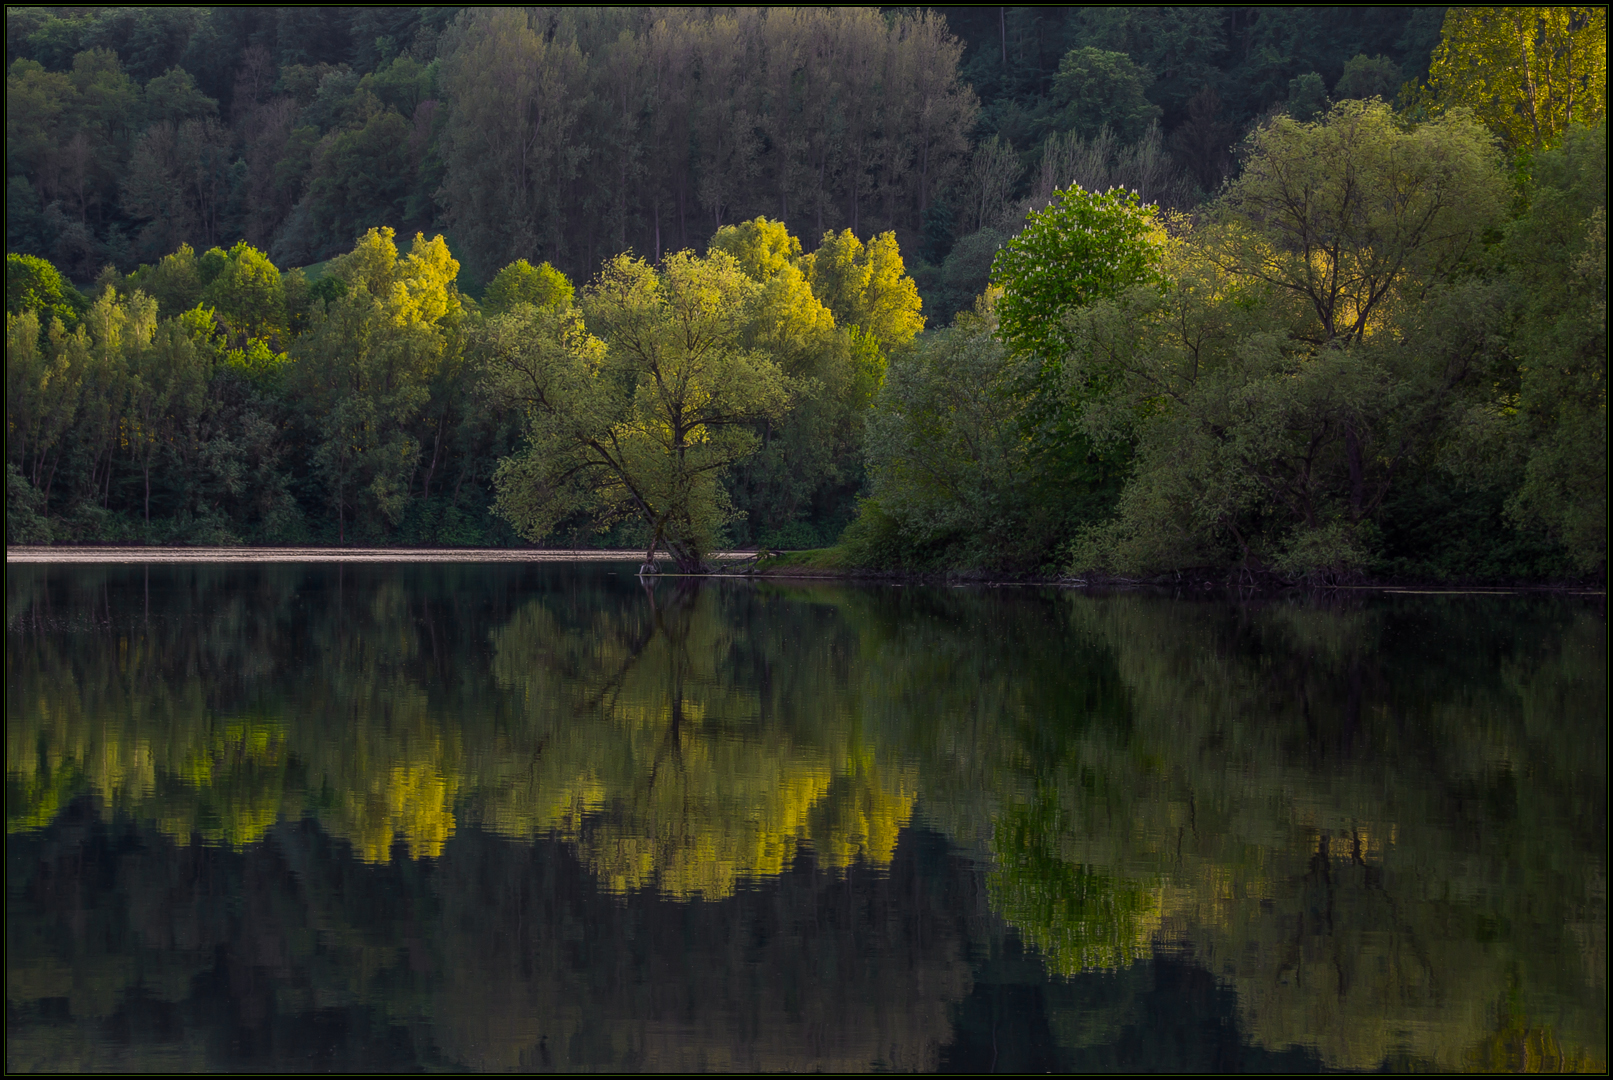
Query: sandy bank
point(29, 554)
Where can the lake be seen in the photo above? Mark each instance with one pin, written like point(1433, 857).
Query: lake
point(529, 816)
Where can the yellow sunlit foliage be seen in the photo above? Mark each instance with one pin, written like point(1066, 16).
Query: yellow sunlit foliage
point(416, 289)
point(1527, 72)
point(1520, 1045)
point(724, 814)
point(64, 747)
point(866, 286)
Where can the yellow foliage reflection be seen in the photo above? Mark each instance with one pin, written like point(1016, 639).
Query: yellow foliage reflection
point(631, 737)
point(1386, 850)
point(655, 762)
point(152, 745)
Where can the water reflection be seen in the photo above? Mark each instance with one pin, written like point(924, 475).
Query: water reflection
point(643, 736)
point(517, 817)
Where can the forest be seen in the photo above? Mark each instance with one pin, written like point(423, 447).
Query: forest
point(1295, 293)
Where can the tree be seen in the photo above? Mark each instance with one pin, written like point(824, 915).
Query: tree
point(42, 395)
point(522, 283)
point(965, 275)
point(1203, 141)
point(993, 172)
point(1100, 89)
point(1527, 72)
point(248, 297)
point(1103, 162)
point(360, 177)
point(643, 419)
point(810, 457)
point(948, 463)
point(119, 330)
point(619, 94)
point(1183, 46)
point(167, 384)
point(514, 96)
point(1354, 204)
point(867, 286)
point(1314, 340)
point(861, 41)
point(179, 180)
point(724, 128)
point(175, 282)
point(1367, 77)
point(33, 284)
point(1307, 97)
point(1081, 249)
point(928, 110)
point(363, 366)
point(1558, 257)
point(788, 318)
point(39, 118)
point(173, 96)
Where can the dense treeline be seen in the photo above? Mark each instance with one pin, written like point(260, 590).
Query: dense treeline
point(1360, 357)
point(1380, 348)
point(213, 399)
point(200, 388)
point(569, 135)
point(564, 135)
point(178, 414)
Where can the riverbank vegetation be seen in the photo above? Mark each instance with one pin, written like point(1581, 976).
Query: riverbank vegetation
point(1343, 320)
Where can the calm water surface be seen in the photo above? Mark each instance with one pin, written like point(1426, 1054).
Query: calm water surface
point(500, 817)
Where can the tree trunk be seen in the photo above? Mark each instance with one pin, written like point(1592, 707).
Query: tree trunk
point(823, 162)
point(1352, 450)
point(856, 182)
point(50, 478)
point(683, 218)
point(649, 565)
point(436, 448)
point(688, 560)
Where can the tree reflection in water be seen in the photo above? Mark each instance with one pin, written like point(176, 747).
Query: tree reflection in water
point(509, 817)
point(639, 742)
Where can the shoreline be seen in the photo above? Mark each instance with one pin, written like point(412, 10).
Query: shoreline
point(739, 565)
point(111, 553)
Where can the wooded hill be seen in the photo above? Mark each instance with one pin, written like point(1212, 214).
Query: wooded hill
point(569, 135)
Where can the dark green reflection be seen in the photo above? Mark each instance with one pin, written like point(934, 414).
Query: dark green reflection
point(1381, 825)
